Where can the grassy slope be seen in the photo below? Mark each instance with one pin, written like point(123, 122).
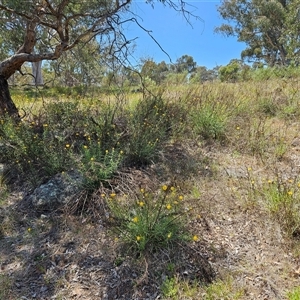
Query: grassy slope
point(235, 159)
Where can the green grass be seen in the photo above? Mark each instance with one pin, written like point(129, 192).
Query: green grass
point(294, 294)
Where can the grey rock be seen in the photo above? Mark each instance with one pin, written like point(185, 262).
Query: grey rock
point(59, 190)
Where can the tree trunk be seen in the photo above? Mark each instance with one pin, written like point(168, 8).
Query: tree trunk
point(7, 106)
point(37, 73)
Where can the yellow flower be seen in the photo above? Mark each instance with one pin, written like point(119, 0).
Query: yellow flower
point(138, 238)
point(121, 152)
point(135, 219)
point(112, 195)
point(180, 197)
point(164, 187)
point(142, 190)
point(249, 169)
point(168, 206)
point(67, 145)
point(92, 158)
point(141, 203)
point(290, 193)
point(195, 238)
point(45, 125)
point(172, 188)
point(106, 151)
point(270, 181)
point(237, 127)
point(29, 229)
point(169, 235)
point(85, 146)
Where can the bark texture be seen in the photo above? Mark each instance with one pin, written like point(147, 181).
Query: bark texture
point(7, 106)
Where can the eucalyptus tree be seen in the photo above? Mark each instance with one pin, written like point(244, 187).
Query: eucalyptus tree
point(52, 27)
point(270, 29)
point(185, 63)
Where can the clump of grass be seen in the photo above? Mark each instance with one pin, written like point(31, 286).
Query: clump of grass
point(268, 107)
point(209, 121)
point(223, 289)
point(153, 221)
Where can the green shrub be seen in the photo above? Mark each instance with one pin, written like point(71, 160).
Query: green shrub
point(31, 150)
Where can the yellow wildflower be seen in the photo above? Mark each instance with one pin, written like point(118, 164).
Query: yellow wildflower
point(169, 235)
point(290, 193)
point(168, 206)
point(112, 195)
point(164, 187)
point(67, 145)
point(141, 203)
point(195, 238)
point(135, 219)
point(180, 197)
point(138, 238)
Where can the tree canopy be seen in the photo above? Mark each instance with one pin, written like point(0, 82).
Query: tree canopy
point(40, 30)
point(269, 28)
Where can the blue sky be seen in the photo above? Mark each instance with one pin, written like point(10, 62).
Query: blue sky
point(177, 37)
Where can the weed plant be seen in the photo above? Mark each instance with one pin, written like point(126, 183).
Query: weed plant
point(97, 166)
point(281, 197)
point(283, 200)
point(152, 222)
